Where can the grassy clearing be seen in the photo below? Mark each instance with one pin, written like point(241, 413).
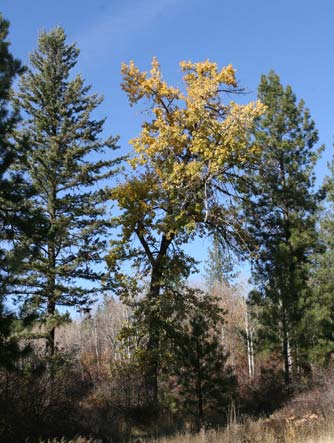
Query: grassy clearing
point(302, 430)
point(261, 432)
point(306, 418)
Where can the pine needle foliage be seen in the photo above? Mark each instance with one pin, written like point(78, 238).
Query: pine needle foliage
point(68, 163)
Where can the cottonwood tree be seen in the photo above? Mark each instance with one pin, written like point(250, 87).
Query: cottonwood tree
point(67, 164)
point(281, 215)
point(188, 162)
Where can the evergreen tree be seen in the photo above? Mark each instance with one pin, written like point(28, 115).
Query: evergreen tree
point(321, 316)
point(281, 214)
point(16, 216)
point(10, 182)
point(206, 383)
point(66, 167)
point(219, 265)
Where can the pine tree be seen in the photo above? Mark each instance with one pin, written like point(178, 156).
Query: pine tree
point(205, 383)
point(66, 166)
point(219, 265)
point(321, 317)
point(281, 214)
point(10, 189)
point(16, 216)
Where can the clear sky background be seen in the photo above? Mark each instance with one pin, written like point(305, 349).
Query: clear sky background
point(295, 38)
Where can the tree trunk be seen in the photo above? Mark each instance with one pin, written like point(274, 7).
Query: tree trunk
point(151, 377)
point(199, 390)
point(157, 263)
point(51, 335)
point(286, 350)
point(51, 276)
point(250, 353)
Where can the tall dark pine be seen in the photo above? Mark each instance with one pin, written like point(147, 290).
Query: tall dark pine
point(321, 318)
point(67, 164)
point(280, 212)
point(15, 214)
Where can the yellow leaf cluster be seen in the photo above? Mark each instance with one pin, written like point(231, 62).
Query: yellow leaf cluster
point(191, 139)
point(192, 135)
point(141, 84)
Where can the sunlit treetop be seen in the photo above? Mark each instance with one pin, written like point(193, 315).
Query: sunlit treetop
point(188, 158)
point(192, 133)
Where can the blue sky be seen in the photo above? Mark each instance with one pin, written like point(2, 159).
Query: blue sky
point(295, 38)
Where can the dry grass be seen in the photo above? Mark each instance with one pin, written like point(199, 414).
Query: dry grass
point(306, 418)
point(250, 432)
point(313, 430)
point(76, 440)
point(309, 429)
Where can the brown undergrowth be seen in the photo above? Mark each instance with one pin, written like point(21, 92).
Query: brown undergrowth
point(307, 418)
point(309, 429)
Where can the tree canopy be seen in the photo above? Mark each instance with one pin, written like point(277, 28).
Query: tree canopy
point(68, 180)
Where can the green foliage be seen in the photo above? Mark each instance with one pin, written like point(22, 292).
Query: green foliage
point(64, 166)
point(281, 214)
point(219, 265)
point(205, 383)
point(9, 181)
point(16, 215)
point(321, 316)
point(151, 330)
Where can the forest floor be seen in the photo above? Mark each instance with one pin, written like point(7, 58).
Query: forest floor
point(307, 418)
point(263, 431)
point(309, 429)
point(251, 432)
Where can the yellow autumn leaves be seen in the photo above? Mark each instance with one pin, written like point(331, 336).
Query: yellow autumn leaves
point(191, 132)
point(190, 141)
